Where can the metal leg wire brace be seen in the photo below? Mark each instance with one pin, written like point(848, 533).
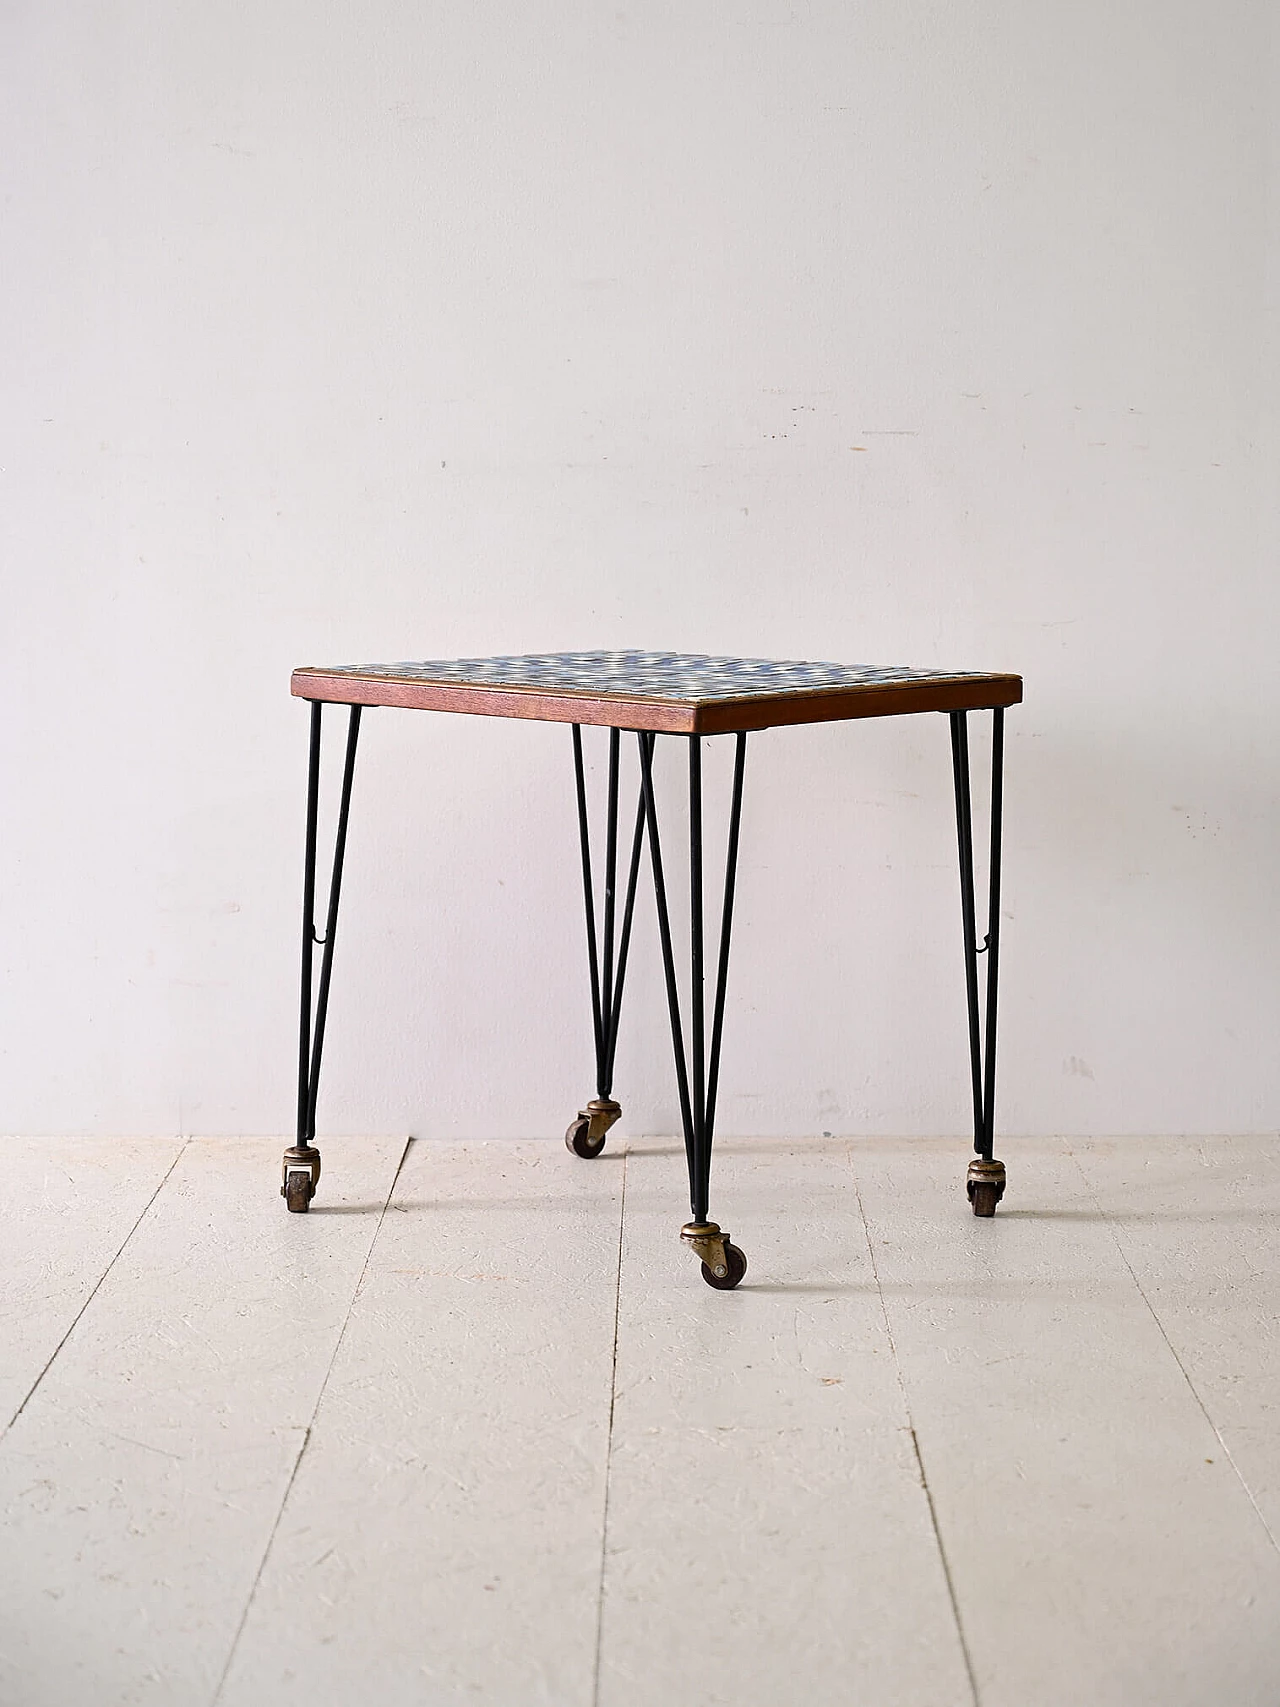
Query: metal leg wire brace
point(586, 1135)
point(302, 1161)
point(986, 1178)
point(723, 1264)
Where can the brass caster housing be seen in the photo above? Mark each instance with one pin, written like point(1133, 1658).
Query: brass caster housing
point(985, 1185)
point(723, 1264)
point(586, 1134)
point(301, 1177)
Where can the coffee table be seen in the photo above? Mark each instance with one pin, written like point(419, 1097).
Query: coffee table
point(653, 694)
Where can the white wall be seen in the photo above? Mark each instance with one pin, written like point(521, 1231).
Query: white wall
point(885, 332)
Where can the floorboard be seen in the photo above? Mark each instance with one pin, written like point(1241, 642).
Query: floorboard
point(140, 1484)
point(69, 1208)
point(1198, 1222)
point(441, 1542)
point(1101, 1545)
point(769, 1539)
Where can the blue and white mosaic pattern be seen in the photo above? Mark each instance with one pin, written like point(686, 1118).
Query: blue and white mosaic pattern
point(689, 678)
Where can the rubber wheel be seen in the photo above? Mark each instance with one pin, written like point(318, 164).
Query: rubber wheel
point(984, 1197)
point(298, 1192)
point(578, 1139)
point(737, 1264)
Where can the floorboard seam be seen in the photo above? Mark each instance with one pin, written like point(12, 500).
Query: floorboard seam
point(307, 1430)
point(1182, 1368)
point(182, 1150)
point(608, 1454)
point(915, 1446)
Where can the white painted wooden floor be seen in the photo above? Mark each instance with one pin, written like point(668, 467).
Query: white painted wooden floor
point(474, 1430)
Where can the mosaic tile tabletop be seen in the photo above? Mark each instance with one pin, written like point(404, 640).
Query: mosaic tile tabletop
point(680, 692)
point(687, 678)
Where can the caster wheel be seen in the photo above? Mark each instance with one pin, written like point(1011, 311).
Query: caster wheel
point(737, 1264)
point(985, 1185)
point(578, 1139)
point(298, 1192)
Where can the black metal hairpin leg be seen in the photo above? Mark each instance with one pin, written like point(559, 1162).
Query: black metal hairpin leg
point(586, 1134)
point(986, 1178)
point(302, 1160)
point(723, 1264)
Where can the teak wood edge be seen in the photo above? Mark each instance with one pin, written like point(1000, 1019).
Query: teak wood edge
point(960, 693)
